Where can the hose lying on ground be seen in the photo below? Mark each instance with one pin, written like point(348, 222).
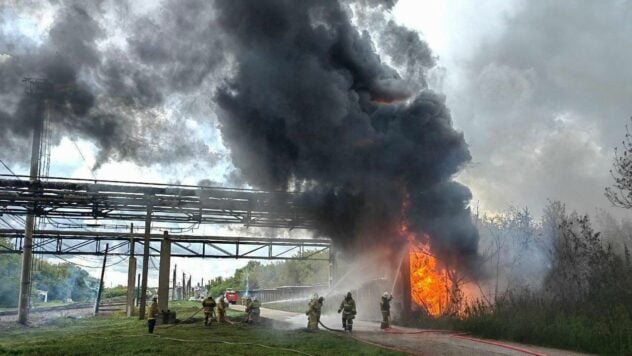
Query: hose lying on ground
point(330, 329)
point(381, 346)
point(187, 319)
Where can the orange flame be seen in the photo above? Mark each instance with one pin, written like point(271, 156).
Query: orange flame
point(429, 285)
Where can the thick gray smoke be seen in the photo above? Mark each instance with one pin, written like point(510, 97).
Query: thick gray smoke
point(111, 96)
point(312, 105)
point(304, 102)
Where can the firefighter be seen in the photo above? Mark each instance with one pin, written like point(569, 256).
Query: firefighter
point(209, 309)
point(348, 309)
point(254, 311)
point(385, 308)
point(247, 303)
point(319, 309)
point(153, 313)
point(313, 312)
point(221, 309)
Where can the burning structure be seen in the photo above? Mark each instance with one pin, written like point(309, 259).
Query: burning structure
point(305, 101)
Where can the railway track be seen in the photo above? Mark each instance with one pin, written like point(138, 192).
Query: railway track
point(103, 307)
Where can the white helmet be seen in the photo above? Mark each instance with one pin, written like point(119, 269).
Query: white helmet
point(385, 295)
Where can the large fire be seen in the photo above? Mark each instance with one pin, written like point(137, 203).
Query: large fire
point(429, 284)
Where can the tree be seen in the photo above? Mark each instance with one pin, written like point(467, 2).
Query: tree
point(511, 253)
point(620, 193)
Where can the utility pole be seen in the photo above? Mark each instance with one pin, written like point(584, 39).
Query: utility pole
point(184, 287)
point(143, 288)
point(173, 292)
point(131, 273)
point(105, 258)
point(37, 89)
point(138, 291)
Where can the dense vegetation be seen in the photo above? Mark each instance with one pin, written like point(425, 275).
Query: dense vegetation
point(117, 291)
point(256, 275)
point(62, 281)
point(557, 283)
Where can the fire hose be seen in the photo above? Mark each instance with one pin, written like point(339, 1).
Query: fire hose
point(444, 332)
point(388, 331)
point(328, 328)
point(381, 346)
point(465, 336)
point(191, 317)
point(187, 319)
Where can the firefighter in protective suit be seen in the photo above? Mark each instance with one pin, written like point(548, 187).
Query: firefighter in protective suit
point(253, 310)
point(313, 312)
point(221, 309)
point(385, 308)
point(348, 309)
point(247, 303)
point(152, 315)
point(209, 309)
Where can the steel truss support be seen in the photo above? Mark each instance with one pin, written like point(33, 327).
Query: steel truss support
point(109, 200)
point(53, 242)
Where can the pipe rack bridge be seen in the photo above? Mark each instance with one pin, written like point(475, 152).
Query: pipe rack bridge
point(114, 200)
point(54, 242)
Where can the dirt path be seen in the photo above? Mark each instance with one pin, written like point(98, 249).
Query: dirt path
point(417, 341)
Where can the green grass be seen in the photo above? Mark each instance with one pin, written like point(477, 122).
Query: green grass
point(529, 320)
point(116, 334)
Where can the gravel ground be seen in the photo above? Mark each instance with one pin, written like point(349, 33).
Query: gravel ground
point(42, 318)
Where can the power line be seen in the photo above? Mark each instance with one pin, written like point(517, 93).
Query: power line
point(9, 169)
point(83, 157)
point(6, 223)
point(81, 265)
point(17, 218)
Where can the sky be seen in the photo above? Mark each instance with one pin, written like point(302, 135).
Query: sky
point(540, 89)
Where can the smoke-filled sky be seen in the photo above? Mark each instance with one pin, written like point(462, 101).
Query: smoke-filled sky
point(539, 89)
point(542, 93)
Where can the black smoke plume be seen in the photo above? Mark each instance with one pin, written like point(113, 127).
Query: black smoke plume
point(311, 105)
point(114, 97)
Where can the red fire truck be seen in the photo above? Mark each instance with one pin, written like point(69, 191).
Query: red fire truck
point(231, 296)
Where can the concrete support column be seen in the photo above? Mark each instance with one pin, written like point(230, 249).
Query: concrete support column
point(163, 277)
point(131, 283)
